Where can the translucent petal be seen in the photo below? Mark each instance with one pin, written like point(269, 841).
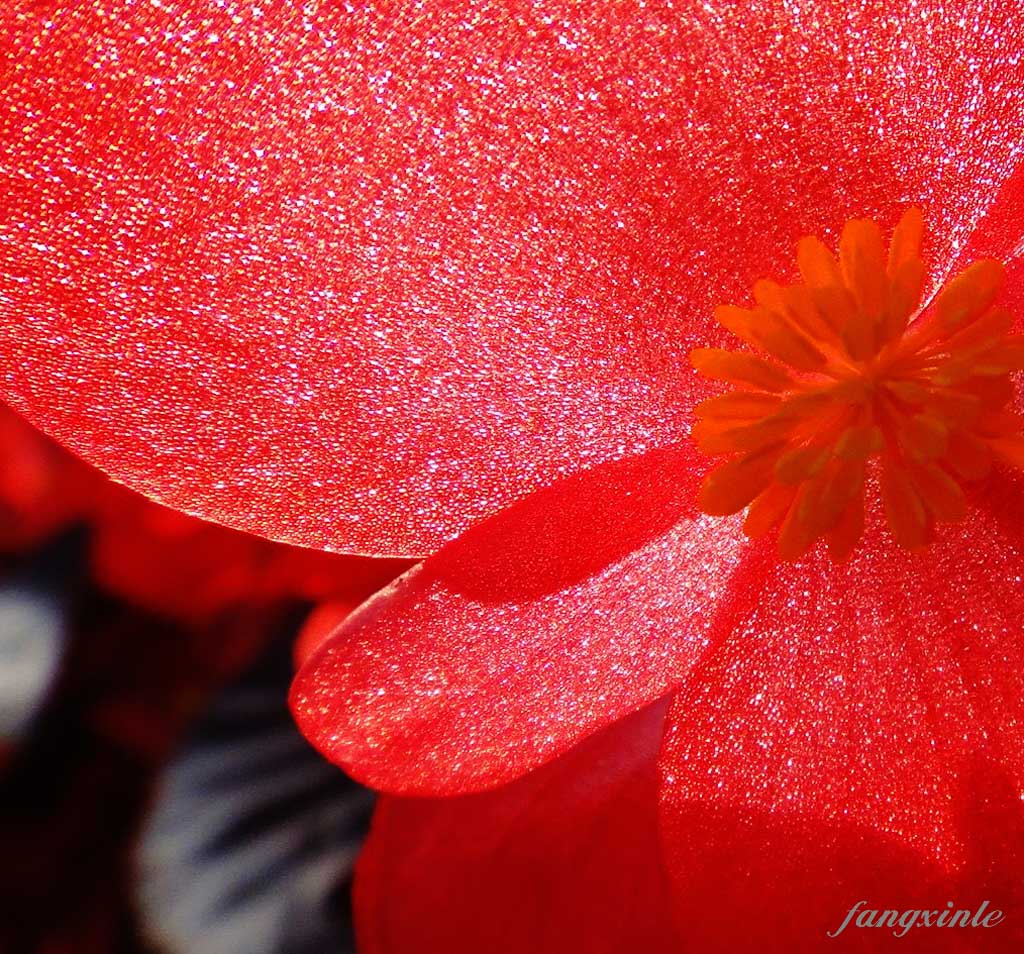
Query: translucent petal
point(565, 859)
point(857, 737)
point(564, 613)
point(357, 277)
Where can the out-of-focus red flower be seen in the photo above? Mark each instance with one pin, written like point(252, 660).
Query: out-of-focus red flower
point(157, 558)
point(387, 282)
point(319, 625)
point(43, 488)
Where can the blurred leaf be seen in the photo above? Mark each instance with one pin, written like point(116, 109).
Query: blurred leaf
point(34, 628)
point(252, 838)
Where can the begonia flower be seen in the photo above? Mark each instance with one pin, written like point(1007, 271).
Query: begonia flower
point(418, 279)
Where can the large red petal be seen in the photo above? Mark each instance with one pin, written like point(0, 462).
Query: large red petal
point(566, 612)
point(357, 276)
point(563, 860)
point(858, 738)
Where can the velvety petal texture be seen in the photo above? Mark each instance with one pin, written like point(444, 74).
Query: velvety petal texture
point(357, 276)
point(858, 738)
point(563, 860)
point(557, 616)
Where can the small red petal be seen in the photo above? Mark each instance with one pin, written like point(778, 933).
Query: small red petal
point(552, 619)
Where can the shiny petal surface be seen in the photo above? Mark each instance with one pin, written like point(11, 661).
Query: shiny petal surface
point(565, 859)
point(858, 738)
point(557, 616)
point(358, 276)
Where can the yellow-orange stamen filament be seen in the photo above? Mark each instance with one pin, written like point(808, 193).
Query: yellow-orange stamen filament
point(851, 375)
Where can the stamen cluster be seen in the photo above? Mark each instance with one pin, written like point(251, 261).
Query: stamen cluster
point(850, 373)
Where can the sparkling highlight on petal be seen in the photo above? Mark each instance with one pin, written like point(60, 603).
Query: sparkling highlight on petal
point(857, 376)
point(358, 276)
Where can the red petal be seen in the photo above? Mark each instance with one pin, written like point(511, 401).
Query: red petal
point(1000, 235)
point(858, 737)
point(566, 612)
point(564, 860)
point(358, 279)
point(318, 626)
point(999, 231)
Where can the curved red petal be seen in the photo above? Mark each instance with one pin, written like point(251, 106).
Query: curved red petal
point(356, 277)
point(858, 738)
point(565, 859)
point(318, 626)
point(571, 609)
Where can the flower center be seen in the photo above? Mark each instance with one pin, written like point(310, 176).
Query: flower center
point(851, 378)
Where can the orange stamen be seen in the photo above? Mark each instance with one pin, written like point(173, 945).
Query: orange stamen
point(851, 373)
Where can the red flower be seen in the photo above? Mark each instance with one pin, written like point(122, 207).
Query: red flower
point(43, 489)
point(385, 279)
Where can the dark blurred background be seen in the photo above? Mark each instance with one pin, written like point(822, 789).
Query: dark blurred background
point(154, 792)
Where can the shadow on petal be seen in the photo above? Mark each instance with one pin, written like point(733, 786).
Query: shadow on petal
point(428, 691)
point(575, 528)
point(990, 816)
point(1002, 495)
point(752, 882)
point(748, 881)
